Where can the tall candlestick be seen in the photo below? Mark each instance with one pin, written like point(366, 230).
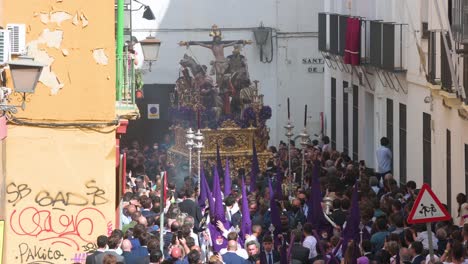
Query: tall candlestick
point(198, 119)
point(305, 116)
point(289, 113)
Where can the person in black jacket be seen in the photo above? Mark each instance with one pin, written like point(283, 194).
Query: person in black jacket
point(101, 243)
point(338, 215)
point(299, 253)
point(190, 207)
point(233, 214)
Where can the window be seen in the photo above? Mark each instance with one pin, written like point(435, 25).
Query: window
point(426, 136)
point(390, 124)
point(355, 123)
point(345, 119)
point(333, 113)
point(403, 132)
point(449, 169)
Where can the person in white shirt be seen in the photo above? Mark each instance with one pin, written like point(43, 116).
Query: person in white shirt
point(384, 157)
point(310, 242)
point(232, 236)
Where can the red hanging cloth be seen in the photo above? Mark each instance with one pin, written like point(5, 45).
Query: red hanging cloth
point(353, 42)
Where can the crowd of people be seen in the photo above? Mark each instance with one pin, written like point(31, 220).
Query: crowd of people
point(340, 212)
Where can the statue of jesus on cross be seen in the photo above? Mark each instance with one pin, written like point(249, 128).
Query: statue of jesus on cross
point(220, 64)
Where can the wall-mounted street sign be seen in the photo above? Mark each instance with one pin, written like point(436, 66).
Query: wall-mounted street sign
point(315, 65)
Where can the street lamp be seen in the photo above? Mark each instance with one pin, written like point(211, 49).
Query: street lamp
point(148, 13)
point(262, 35)
point(190, 135)
point(150, 47)
point(25, 73)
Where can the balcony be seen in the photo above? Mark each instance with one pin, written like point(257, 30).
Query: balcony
point(126, 85)
point(387, 42)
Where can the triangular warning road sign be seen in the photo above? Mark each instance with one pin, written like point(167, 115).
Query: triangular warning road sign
point(427, 208)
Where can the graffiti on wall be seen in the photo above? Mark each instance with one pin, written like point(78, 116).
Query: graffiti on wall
point(55, 223)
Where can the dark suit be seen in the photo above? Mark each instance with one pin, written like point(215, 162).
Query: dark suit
point(148, 213)
point(167, 239)
point(140, 251)
point(300, 253)
point(191, 208)
point(418, 260)
point(233, 258)
point(91, 259)
point(130, 257)
point(236, 219)
point(264, 258)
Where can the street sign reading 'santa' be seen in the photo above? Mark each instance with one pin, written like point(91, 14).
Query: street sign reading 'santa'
point(427, 208)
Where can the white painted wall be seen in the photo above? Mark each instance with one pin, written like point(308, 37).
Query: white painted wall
point(443, 117)
point(295, 26)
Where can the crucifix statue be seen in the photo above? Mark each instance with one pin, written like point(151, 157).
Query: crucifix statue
point(220, 64)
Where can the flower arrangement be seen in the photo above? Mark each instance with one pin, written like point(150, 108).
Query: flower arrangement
point(265, 114)
point(187, 117)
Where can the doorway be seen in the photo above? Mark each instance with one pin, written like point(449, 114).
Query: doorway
point(148, 131)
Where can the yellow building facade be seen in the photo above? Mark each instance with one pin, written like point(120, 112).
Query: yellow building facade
point(59, 186)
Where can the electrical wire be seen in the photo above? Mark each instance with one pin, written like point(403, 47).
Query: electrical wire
point(84, 125)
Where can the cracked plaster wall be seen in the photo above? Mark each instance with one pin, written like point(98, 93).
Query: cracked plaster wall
point(75, 40)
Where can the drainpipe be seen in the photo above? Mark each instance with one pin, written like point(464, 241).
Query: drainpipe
point(120, 46)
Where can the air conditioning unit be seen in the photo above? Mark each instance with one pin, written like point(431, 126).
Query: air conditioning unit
point(4, 46)
point(18, 38)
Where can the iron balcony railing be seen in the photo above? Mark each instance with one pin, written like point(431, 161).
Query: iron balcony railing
point(126, 81)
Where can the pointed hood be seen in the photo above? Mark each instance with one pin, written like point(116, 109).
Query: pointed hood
point(209, 196)
point(227, 179)
point(255, 170)
point(315, 214)
point(279, 182)
point(275, 215)
point(219, 213)
point(351, 231)
point(217, 238)
point(202, 197)
point(246, 227)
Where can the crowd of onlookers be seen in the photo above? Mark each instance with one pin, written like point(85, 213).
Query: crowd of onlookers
point(384, 205)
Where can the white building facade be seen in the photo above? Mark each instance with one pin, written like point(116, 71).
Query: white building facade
point(388, 95)
point(296, 67)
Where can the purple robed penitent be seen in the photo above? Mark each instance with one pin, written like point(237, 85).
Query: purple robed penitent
point(275, 215)
point(227, 179)
point(278, 189)
point(315, 215)
point(246, 226)
point(351, 230)
point(209, 196)
point(217, 238)
point(255, 169)
point(202, 197)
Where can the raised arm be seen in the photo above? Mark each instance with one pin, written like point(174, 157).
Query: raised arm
point(194, 43)
point(243, 42)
